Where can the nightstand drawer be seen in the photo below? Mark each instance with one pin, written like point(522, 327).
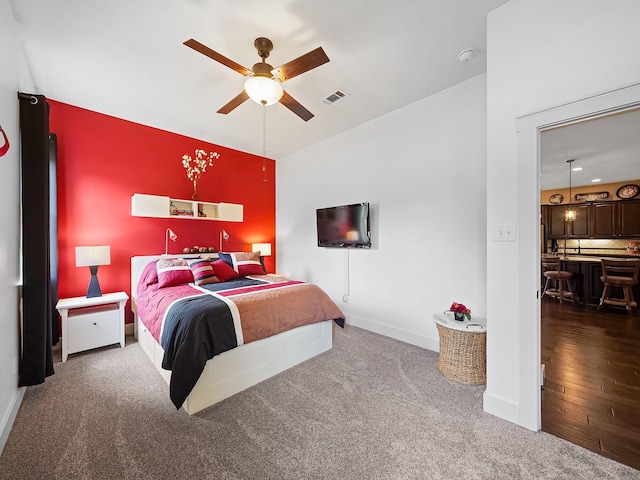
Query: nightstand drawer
point(93, 328)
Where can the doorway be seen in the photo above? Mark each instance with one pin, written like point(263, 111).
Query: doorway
point(529, 128)
point(576, 329)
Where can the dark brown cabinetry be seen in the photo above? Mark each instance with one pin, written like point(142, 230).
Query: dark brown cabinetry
point(604, 219)
point(596, 220)
point(557, 225)
point(581, 226)
point(629, 218)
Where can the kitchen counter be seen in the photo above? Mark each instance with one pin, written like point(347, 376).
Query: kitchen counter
point(594, 258)
point(587, 271)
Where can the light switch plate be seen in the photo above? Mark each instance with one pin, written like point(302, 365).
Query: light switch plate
point(505, 233)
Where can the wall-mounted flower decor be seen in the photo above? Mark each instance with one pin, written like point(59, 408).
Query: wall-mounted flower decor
point(195, 167)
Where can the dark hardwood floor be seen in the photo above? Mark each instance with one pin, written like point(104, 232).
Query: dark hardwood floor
point(591, 395)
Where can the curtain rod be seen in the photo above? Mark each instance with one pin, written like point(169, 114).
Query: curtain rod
point(33, 98)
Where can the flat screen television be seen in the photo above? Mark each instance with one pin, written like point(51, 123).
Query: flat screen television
point(345, 226)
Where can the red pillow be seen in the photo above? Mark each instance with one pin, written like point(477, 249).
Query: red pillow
point(224, 271)
point(250, 269)
point(245, 263)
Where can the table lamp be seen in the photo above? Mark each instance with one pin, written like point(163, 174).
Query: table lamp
point(92, 257)
point(263, 248)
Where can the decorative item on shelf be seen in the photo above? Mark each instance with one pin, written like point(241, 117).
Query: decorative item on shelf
point(197, 249)
point(223, 236)
point(169, 235)
point(92, 257)
point(634, 248)
point(459, 311)
point(196, 167)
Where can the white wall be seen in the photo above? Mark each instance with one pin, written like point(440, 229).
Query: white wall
point(422, 168)
point(540, 54)
point(10, 394)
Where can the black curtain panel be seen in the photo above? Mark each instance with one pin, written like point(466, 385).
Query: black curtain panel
point(53, 235)
point(36, 362)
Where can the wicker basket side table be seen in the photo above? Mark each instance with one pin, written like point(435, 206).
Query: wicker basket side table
point(462, 348)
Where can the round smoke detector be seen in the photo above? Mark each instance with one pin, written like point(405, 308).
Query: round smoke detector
point(466, 55)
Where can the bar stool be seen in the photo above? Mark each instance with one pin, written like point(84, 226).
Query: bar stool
point(619, 274)
point(561, 280)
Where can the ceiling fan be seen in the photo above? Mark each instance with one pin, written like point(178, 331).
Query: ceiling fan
point(263, 84)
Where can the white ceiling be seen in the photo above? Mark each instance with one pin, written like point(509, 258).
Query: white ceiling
point(126, 58)
point(606, 147)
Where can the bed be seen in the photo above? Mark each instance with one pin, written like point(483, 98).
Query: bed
point(239, 356)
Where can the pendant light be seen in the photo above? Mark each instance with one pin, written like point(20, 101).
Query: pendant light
point(569, 214)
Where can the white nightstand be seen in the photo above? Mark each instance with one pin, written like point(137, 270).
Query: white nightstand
point(91, 322)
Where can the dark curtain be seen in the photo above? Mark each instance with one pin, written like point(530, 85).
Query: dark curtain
point(53, 235)
point(36, 362)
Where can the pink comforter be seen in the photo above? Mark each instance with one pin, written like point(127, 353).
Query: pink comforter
point(265, 310)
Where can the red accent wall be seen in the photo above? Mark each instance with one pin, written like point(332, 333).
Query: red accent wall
point(103, 161)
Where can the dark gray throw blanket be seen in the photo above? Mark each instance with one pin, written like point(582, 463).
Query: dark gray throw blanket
point(196, 329)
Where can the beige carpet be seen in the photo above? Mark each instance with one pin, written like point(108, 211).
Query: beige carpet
point(371, 408)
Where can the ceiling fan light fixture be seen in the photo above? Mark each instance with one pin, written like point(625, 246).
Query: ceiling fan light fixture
point(263, 90)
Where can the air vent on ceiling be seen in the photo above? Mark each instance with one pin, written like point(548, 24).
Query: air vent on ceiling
point(334, 97)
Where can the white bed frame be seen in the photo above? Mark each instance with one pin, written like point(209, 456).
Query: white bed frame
point(238, 369)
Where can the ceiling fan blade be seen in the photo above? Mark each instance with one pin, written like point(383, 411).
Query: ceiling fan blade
point(203, 49)
point(302, 64)
point(236, 101)
point(293, 105)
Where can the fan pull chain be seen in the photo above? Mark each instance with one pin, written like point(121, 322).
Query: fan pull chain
point(264, 143)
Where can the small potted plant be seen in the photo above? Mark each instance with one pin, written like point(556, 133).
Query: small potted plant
point(460, 311)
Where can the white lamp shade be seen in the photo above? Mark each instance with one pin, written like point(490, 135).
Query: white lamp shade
point(263, 90)
point(91, 256)
point(263, 248)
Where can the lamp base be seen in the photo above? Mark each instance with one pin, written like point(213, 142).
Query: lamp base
point(94, 286)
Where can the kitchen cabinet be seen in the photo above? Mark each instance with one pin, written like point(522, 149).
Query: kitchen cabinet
point(581, 226)
point(557, 225)
point(559, 228)
point(604, 219)
point(596, 220)
point(629, 218)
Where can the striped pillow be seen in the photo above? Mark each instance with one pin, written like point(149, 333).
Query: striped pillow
point(202, 271)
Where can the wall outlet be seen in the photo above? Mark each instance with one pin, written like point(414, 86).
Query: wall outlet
point(505, 233)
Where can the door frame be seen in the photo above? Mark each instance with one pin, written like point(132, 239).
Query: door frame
point(528, 128)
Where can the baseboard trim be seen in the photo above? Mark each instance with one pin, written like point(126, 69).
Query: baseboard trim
point(396, 333)
point(10, 417)
point(501, 408)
